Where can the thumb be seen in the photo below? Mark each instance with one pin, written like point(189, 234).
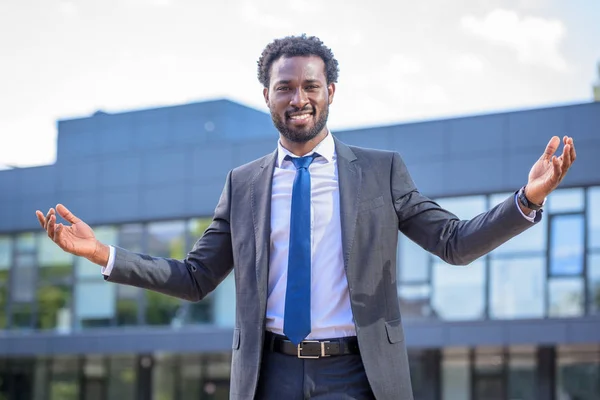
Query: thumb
point(66, 214)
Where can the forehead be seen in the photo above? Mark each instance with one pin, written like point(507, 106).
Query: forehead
point(298, 68)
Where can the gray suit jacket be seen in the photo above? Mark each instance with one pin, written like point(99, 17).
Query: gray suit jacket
point(377, 198)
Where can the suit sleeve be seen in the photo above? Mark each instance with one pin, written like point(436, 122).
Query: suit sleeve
point(442, 233)
point(205, 266)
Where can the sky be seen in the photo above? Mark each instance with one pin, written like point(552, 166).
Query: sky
point(399, 60)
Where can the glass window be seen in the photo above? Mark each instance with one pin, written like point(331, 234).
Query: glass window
point(578, 373)
point(593, 209)
point(95, 303)
point(565, 200)
point(163, 376)
point(594, 282)
point(161, 309)
point(131, 237)
point(532, 241)
point(197, 226)
point(54, 307)
point(64, 384)
point(413, 261)
point(55, 264)
point(565, 297)
point(190, 383)
point(517, 287)
point(167, 239)
point(456, 377)
point(22, 316)
point(23, 279)
point(94, 378)
point(489, 382)
point(5, 253)
point(464, 207)
point(566, 245)
point(414, 300)
point(522, 374)
point(459, 292)
point(26, 243)
point(122, 377)
point(127, 304)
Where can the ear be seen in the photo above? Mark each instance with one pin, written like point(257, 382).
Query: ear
point(266, 95)
point(331, 91)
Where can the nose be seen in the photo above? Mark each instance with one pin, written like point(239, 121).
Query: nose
point(299, 99)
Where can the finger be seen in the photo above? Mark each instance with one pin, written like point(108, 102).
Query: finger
point(573, 153)
point(51, 226)
point(566, 156)
point(57, 232)
point(557, 164)
point(66, 214)
point(551, 147)
point(48, 214)
point(41, 218)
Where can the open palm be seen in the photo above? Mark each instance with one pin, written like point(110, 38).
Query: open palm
point(78, 238)
point(549, 170)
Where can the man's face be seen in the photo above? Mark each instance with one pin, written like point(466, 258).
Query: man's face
point(298, 97)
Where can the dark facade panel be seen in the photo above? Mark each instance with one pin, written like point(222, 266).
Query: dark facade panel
point(476, 136)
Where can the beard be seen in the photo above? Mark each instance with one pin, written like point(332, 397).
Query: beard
point(300, 135)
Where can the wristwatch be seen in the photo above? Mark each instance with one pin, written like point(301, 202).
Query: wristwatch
point(525, 201)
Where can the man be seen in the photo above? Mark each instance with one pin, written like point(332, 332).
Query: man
point(310, 232)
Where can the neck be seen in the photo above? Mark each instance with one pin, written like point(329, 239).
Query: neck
point(301, 149)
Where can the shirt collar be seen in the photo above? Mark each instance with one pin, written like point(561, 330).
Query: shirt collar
point(326, 149)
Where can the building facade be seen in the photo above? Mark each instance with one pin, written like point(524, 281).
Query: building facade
point(521, 323)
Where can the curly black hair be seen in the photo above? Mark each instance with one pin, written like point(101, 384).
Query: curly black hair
point(292, 46)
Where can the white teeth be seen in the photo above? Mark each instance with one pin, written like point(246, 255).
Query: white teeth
point(303, 116)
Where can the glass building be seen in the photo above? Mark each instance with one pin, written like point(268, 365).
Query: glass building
point(521, 323)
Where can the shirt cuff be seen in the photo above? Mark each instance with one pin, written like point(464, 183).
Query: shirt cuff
point(532, 214)
point(111, 260)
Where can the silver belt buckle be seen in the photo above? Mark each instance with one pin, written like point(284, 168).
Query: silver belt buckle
point(312, 341)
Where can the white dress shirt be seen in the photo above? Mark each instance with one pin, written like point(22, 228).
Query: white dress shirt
point(331, 314)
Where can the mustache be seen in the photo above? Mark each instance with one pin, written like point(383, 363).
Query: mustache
point(302, 110)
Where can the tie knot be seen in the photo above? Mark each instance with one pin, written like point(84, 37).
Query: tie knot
point(302, 162)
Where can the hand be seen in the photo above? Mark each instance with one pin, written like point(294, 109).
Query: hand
point(547, 173)
point(78, 239)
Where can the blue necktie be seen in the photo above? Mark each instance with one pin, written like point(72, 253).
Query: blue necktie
point(296, 322)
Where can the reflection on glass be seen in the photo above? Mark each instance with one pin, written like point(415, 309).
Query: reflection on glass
point(517, 287)
point(21, 316)
point(127, 305)
point(94, 378)
point(566, 245)
point(413, 261)
point(160, 308)
point(23, 280)
point(90, 312)
point(3, 301)
point(565, 200)
point(64, 384)
point(414, 300)
point(54, 263)
point(464, 207)
point(532, 241)
point(459, 292)
point(5, 254)
point(190, 383)
point(122, 377)
point(522, 379)
point(489, 382)
point(167, 239)
point(578, 374)
point(26, 243)
point(163, 377)
point(131, 237)
point(593, 271)
point(456, 382)
point(565, 297)
point(54, 307)
point(593, 210)
point(197, 226)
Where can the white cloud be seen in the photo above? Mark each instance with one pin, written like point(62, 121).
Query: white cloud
point(536, 40)
point(404, 65)
point(68, 9)
point(250, 13)
point(468, 62)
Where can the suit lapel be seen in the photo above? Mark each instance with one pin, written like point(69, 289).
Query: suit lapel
point(350, 176)
point(261, 214)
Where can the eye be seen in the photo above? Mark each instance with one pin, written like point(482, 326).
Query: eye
point(282, 88)
point(312, 87)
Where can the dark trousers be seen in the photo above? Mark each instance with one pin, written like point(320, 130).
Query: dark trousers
point(284, 377)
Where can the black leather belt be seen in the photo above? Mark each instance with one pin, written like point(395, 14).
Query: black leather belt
point(311, 348)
